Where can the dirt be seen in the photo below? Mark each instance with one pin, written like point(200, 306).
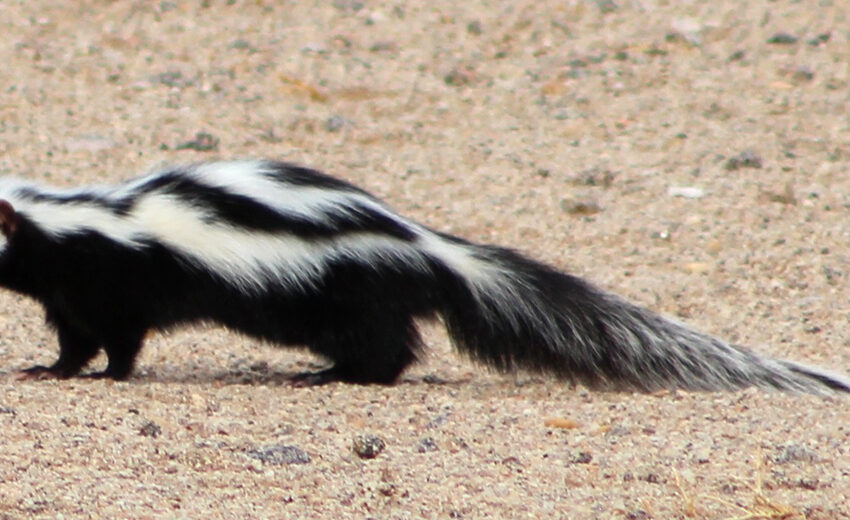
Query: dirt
point(691, 156)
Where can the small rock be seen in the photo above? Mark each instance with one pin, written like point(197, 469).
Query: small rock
point(459, 76)
point(663, 234)
point(820, 39)
point(259, 366)
point(512, 462)
point(697, 267)
point(150, 429)
point(368, 446)
point(737, 55)
point(617, 430)
point(595, 177)
point(383, 46)
point(560, 422)
point(375, 17)
point(580, 207)
point(688, 29)
point(280, 454)
point(426, 445)
point(795, 453)
point(581, 457)
point(782, 38)
point(745, 159)
point(387, 489)
point(242, 45)
point(802, 73)
point(335, 123)
point(810, 484)
point(172, 78)
point(652, 478)
point(688, 192)
point(833, 276)
point(432, 379)
point(203, 142)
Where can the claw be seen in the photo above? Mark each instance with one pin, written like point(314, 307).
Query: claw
point(36, 373)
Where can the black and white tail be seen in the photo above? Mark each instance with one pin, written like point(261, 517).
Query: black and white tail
point(522, 314)
point(296, 257)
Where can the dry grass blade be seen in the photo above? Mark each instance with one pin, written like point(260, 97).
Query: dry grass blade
point(762, 507)
point(297, 85)
point(688, 502)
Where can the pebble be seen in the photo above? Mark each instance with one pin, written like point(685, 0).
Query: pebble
point(796, 453)
point(745, 159)
point(803, 73)
point(697, 267)
point(688, 192)
point(279, 454)
point(782, 38)
point(427, 444)
point(203, 142)
point(150, 429)
point(560, 422)
point(581, 457)
point(459, 76)
point(335, 123)
point(172, 78)
point(820, 39)
point(689, 29)
point(368, 446)
point(580, 207)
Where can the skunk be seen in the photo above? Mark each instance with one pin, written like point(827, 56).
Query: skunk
point(293, 256)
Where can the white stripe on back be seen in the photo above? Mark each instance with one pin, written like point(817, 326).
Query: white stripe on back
point(248, 260)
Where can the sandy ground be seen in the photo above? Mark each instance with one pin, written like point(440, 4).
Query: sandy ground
point(566, 129)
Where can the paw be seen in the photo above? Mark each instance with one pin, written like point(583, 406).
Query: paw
point(37, 373)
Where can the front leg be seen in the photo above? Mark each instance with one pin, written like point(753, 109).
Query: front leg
point(76, 349)
point(121, 352)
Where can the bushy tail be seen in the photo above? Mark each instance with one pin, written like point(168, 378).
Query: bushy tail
point(510, 312)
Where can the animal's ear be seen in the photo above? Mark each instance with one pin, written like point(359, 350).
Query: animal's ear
point(8, 218)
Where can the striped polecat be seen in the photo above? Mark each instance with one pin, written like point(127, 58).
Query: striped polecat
point(296, 257)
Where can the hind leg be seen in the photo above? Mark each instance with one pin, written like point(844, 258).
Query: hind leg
point(347, 372)
point(369, 351)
